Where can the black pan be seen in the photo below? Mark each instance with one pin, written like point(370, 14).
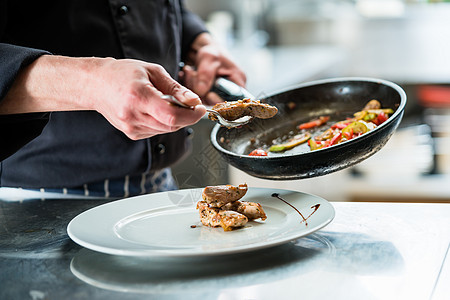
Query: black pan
point(338, 98)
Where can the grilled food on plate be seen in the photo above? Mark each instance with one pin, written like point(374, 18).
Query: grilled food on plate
point(219, 195)
point(221, 207)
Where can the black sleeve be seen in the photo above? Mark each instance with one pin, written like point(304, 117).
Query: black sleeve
point(192, 27)
point(17, 130)
point(12, 60)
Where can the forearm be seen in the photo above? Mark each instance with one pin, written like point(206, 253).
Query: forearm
point(51, 83)
point(126, 92)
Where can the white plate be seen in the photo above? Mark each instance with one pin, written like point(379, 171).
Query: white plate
point(167, 224)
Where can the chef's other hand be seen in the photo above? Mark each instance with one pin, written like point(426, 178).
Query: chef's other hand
point(129, 97)
point(206, 62)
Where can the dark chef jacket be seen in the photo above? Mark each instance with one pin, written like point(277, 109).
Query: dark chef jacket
point(69, 149)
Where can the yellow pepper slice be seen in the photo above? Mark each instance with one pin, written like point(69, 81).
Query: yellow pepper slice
point(356, 127)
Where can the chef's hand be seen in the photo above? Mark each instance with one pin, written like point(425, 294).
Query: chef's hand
point(126, 92)
point(130, 99)
point(206, 62)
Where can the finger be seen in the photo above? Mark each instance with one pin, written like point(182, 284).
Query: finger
point(141, 126)
point(212, 99)
point(187, 97)
point(189, 76)
point(165, 84)
point(162, 111)
point(145, 125)
point(233, 73)
point(149, 123)
point(206, 74)
point(238, 77)
point(173, 116)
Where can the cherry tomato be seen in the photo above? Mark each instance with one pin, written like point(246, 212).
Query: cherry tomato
point(382, 117)
point(258, 152)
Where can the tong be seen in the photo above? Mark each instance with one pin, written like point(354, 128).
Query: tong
point(227, 90)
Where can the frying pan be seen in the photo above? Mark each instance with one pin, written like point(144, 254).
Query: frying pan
point(338, 98)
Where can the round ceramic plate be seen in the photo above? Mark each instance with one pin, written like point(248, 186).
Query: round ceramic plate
point(167, 224)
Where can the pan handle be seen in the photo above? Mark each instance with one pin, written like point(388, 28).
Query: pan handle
point(230, 91)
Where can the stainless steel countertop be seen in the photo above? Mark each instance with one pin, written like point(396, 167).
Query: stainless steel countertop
point(369, 251)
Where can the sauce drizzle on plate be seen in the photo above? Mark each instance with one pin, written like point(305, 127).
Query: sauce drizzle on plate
point(315, 207)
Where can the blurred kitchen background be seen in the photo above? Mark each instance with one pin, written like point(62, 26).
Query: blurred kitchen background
point(281, 43)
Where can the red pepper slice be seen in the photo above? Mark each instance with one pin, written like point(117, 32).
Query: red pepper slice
point(336, 138)
point(258, 152)
point(339, 125)
point(326, 144)
point(348, 135)
point(314, 123)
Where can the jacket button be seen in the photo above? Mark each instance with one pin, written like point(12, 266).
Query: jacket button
point(161, 149)
point(189, 132)
point(123, 10)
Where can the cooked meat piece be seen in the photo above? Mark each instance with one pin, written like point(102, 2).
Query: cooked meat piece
point(234, 110)
point(231, 206)
point(213, 217)
point(218, 196)
point(209, 216)
point(231, 219)
point(220, 207)
point(251, 210)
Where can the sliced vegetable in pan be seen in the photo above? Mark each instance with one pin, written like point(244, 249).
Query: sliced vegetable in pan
point(363, 121)
point(314, 123)
point(371, 116)
point(258, 152)
point(295, 141)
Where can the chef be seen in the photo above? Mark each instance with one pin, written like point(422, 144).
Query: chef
point(100, 68)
